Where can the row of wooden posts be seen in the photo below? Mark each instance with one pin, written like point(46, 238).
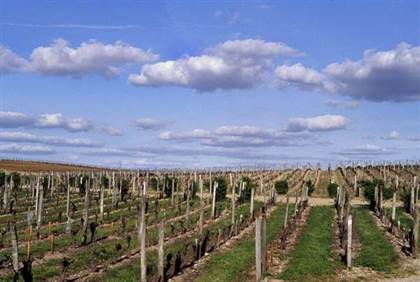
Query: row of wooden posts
point(288, 226)
point(345, 221)
point(408, 237)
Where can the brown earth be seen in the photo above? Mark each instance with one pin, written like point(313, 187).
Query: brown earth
point(36, 166)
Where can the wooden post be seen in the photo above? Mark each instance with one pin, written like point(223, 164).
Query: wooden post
point(415, 233)
point(233, 199)
point(36, 196)
point(86, 212)
point(29, 250)
point(173, 190)
point(15, 258)
point(263, 243)
point(286, 213)
point(258, 249)
point(101, 202)
point(251, 209)
point(210, 184)
point(160, 250)
point(412, 195)
point(200, 184)
point(189, 187)
point(142, 229)
point(213, 209)
point(39, 215)
point(394, 200)
point(349, 239)
point(68, 199)
point(381, 198)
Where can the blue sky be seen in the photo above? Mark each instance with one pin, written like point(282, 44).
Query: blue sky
point(209, 83)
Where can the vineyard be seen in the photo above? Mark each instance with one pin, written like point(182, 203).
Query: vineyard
point(347, 223)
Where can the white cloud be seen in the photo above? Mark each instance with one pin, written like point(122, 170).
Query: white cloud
point(239, 136)
point(92, 57)
point(246, 131)
point(149, 124)
point(51, 120)
point(393, 135)
point(185, 136)
point(392, 75)
point(47, 140)
point(14, 119)
point(10, 62)
point(25, 149)
point(252, 50)
point(304, 78)
point(234, 64)
point(318, 123)
point(57, 120)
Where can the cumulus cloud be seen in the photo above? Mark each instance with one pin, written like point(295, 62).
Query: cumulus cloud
point(239, 136)
point(149, 124)
point(393, 135)
point(15, 119)
point(49, 121)
point(234, 64)
point(10, 62)
point(14, 148)
point(318, 123)
point(304, 78)
point(185, 136)
point(91, 57)
point(392, 75)
point(25, 137)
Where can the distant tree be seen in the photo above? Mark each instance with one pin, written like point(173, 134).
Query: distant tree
point(282, 187)
point(124, 188)
point(221, 189)
point(105, 181)
point(332, 190)
point(369, 189)
point(154, 183)
point(311, 187)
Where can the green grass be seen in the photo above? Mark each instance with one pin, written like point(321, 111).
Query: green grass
point(231, 265)
point(312, 258)
point(376, 251)
point(404, 218)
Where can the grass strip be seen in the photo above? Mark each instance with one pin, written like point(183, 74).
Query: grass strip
point(376, 251)
point(312, 258)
